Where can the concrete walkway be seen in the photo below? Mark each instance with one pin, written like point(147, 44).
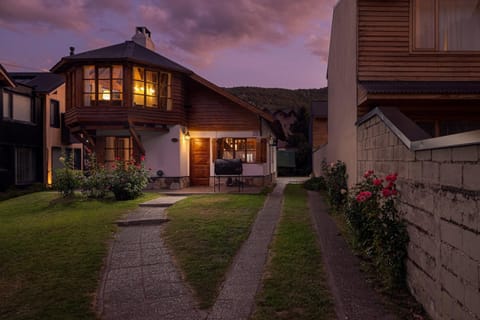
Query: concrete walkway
point(140, 280)
point(354, 299)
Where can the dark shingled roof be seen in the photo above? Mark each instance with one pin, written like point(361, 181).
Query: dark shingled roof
point(421, 87)
point(320, 109)
point(127, 51)
point(43, 82)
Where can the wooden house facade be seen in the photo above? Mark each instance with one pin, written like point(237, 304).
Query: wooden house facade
point(420, 56)
point(127, 101)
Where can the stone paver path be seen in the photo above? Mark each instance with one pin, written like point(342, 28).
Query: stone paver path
point(354, 299)
point(237, 295)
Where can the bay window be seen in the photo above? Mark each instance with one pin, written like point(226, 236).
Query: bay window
point(446, 25)
point(102, 85)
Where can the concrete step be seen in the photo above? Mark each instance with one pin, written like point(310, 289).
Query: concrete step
point(141, 222)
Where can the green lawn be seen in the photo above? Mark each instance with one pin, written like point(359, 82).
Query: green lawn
point(204, 234)
point(51, 254)
point(295, 283)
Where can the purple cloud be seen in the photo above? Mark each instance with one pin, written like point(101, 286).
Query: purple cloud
point(199, 27)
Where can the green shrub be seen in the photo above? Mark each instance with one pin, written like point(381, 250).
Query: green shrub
point(96, 182)
point(67, 179)
point(315, 184)
point(378, 232)
point(336, 183)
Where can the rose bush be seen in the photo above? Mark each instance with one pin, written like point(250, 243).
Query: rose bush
point(128, 179)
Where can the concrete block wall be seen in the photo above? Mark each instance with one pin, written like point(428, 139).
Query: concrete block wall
point(440, 201)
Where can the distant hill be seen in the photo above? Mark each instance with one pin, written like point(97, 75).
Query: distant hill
point(274, 99)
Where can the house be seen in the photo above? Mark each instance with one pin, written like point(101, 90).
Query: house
point(21, 134)
point(421, 57)
point(127, 101)
point(404, 96)
point(49, 89)
point(319, 125)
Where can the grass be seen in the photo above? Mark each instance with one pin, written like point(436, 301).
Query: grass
point(51, 253)
point(204, 234)
point(295, 283)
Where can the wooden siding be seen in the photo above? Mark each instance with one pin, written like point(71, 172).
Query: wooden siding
point(384, 30)
point(319, 132)
point(209, 111)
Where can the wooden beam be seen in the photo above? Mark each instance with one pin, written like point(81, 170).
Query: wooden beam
point(136, 138)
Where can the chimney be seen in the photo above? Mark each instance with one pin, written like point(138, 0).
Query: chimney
point(72, 51)
point(142, 37)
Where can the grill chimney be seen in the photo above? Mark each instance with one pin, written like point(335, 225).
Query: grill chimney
point(142, 37)
point(72, 51)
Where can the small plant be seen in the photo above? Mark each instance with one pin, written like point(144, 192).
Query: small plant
point(128, 179)
point(377, 230)
point(67, 179)
point(315, 184)
point(336, 183)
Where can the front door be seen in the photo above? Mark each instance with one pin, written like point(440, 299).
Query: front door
point(199, 161)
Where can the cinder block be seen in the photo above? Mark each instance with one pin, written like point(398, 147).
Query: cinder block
point(469, 208)
point(425, 155)
point(402, 169)
point(431, 172)
point(451, 234)
point(447, 207)
point(442, 155)
point(415, 171)
point(471, 245)
point(472, 300)
point(446, 306)
point(451, 174)
point(466, 268)
point(468, 153)
point(452, 285)
point(471, 176)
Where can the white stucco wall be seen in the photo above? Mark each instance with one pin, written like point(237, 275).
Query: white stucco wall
point(168, 152)
point(342, 87)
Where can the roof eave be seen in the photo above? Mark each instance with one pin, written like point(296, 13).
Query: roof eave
point(4, 74)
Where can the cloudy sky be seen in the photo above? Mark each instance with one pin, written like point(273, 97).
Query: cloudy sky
point(267, 43)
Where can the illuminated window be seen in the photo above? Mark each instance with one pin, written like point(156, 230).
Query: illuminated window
point(102, 85)
point(118, 148)
point(249, 150)
point(446, 25)
point(151, 88)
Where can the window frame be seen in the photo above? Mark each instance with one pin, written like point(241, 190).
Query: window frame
point(163, 99)
point(436, 49)
point(54, 113)
point(96, 80)
point(252, 146)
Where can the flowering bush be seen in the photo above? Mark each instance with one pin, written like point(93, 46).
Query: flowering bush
point(96, 182)
point(378, 232)
point(128, 179)
point(336, 183)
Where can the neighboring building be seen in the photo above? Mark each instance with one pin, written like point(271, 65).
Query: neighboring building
point(422, 57)
point(21, 134)
point(319, 119)
point(50, 90)
point(404, 96)
point(125, 100)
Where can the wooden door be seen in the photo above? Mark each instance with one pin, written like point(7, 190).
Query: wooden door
point(199, 161)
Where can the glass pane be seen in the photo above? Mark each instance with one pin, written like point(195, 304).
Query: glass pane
point(138, 73)
point(22, 108)
point(138, 87)
point(104, 73)
point(425, 24)
point(151, 90)
point(152, 101)
point(89, 72)
point(459, 25)
point(88, 85)
point(152, 76)
point(88, 100)
point(104, 90)
point(117, 72)
point(138, 100)
point(117, 90)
